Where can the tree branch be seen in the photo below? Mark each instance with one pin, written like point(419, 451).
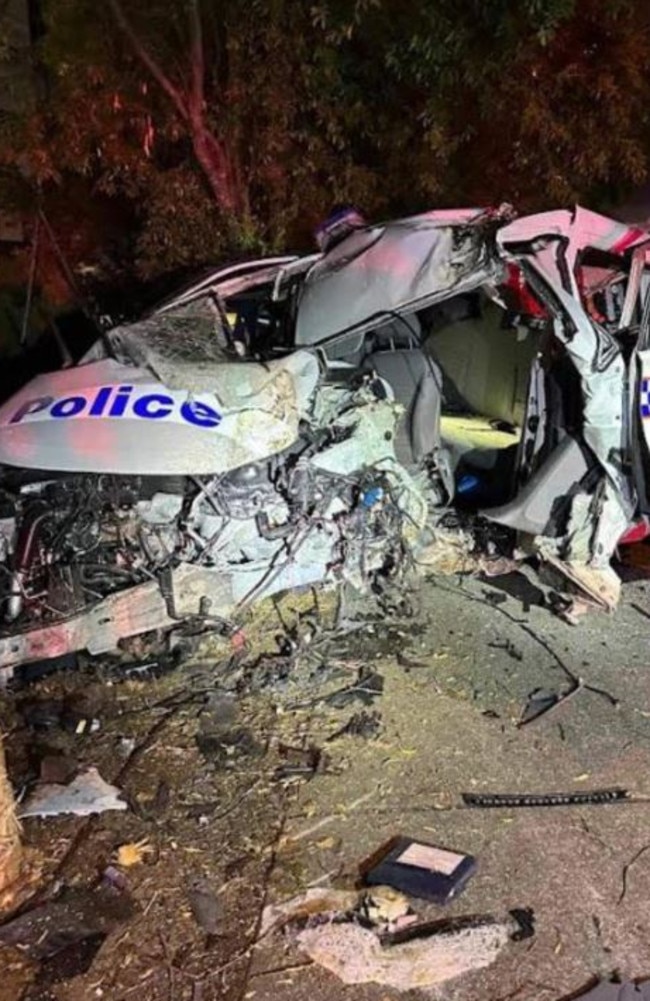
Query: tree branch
point(197, 57)
point(208, 148)
point(144, 56)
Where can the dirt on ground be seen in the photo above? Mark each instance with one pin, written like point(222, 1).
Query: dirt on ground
point(259, 765)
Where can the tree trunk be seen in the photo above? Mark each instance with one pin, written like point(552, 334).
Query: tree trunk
point(217, 169)
point(9, 832)
point(190, 107)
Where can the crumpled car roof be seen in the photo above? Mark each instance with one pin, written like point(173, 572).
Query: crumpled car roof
point(395, 268)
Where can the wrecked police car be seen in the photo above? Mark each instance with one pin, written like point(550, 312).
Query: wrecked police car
point(322, 419)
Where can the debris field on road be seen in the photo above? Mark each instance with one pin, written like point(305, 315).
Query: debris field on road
point(266, 796)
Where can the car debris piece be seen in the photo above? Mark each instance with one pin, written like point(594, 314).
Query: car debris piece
point(220, 710)
point(368, 686)
point(69, 713)
point(313, 903)
point(180, 473)
point(362, 724)
point(225, 748)
point(523, 927)
point(508, 801)
point(88, 793)
point(36, 670)
point(508, 647)
point(419, 869)
point(126, 746)
point(300, 762)
point(384, 905)
point(539, 702)
point(220, 738)
point(409, 663)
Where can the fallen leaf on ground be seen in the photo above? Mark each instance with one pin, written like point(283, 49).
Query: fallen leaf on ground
point(133, 853)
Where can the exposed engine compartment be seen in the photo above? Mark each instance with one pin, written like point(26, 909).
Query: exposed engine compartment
point(71, 541)
point(80, 538)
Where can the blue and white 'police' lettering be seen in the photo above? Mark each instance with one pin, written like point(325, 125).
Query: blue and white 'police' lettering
point(142, 402)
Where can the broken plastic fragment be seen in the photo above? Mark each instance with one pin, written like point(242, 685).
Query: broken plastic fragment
point(368, 686)
point(86, 794)
point(300, 762)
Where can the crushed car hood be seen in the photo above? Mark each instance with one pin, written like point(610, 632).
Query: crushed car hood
point(112, 418)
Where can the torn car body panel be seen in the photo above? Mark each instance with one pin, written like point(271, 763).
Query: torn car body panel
point(398, 268)
point(556, 240)
point(300, 420)
point(549, 249)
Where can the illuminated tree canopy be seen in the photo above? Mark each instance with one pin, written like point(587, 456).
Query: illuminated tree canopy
point(227, 126)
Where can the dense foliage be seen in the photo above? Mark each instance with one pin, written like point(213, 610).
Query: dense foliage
point(222, 126)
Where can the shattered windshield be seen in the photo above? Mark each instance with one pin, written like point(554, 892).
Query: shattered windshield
point(181, 346)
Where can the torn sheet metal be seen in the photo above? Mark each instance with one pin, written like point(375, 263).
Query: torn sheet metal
point(548, 246)
point(577, 228)
point(396, 268)
point(555, 239)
